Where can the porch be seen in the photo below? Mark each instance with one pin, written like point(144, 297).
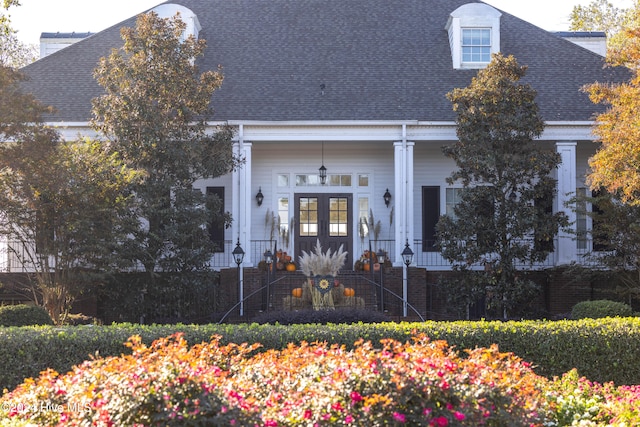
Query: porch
point(425, 256)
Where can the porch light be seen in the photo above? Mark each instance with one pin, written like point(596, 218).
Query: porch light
point(259, 196)
point(407, 254)
point(322, 170)
point(238, 254)
point(387, 197)
point(323, 174)
point(381, 255)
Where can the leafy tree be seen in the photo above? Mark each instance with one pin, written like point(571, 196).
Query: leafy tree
point(504, 214)
point(13, 52)
point(16, 54)
point(616, 165)
point(63, 204)
point(616, 243)
point(154, 114)
point(599, 15)
point(602, 15)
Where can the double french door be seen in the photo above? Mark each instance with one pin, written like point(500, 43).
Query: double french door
point(327, 217)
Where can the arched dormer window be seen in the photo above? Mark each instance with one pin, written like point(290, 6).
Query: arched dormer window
point(474, 34)
point(169, 10)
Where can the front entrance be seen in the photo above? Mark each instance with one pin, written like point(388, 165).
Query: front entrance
point(326, 217)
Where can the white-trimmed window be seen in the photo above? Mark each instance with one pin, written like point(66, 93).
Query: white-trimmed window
point(474, 35)
point(452, 198)
point(476, 45)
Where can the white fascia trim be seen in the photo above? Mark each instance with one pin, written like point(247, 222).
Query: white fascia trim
point(363, 130)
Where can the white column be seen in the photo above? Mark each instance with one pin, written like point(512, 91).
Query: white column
point(241, 200)
point(409, 196)
point(404, 204)
point(400, 204)
point(566, 252)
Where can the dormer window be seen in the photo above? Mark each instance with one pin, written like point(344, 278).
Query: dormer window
point(476, 45)
point(474, 34)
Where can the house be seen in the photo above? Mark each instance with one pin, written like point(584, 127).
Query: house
point(357, 87)
point(53, 42)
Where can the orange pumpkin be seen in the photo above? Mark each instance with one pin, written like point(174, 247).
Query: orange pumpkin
point(366, 266)
point(291, 267)
point(297, 292)
point(349, 292)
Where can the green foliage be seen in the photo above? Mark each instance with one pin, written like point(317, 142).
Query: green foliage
point(13, 53)
point(616, 240)
point(165, 298)
point(23, 315)
point(599, 15)
point(600, 349)
point(154, 113)
point(322, 317)
point(67, 206)
point(503, 216)
point(600, 308)
point(616, 128)
point(602, 15)
point(417, 383)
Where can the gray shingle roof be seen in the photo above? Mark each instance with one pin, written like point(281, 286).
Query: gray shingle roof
point(375, 59)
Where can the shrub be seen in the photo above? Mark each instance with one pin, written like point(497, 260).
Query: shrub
point(580, 402)
point(291, 317)
point(599, 309)
point(24, 315)
point(601, 349)
point(171, 384)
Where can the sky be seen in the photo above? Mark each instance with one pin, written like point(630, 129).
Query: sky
point(37, 16)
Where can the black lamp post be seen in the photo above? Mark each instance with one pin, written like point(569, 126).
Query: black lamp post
point(407, 257)
point(407, 254)
point(268, 259)
point(238, 256)
point(381, 255)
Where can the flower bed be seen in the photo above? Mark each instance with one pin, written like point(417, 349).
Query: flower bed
point(418, 383)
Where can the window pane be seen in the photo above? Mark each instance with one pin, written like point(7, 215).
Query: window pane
point(452, 199)
point(338, 216)
point(363, 180)
point(308, 216)
point(363, 215)
point(476, 45)
point(283, 214)
point(283, 180)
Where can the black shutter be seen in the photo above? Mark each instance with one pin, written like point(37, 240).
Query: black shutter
point(216, 229)
point(430, 217)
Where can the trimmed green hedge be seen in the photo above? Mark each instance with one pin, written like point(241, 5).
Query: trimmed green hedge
point(601, 349)
point(23, 315)
point(600, 308)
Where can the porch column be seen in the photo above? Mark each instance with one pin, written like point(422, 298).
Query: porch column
point(566, 252)
point(404, 212)
point(241, 200)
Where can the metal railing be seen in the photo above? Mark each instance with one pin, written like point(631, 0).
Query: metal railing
point(432, 257)
point(275, 294)
point(426, 254)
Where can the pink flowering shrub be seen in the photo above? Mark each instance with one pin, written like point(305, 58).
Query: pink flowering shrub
point(168, 383)
point(578, 401)
point(419, 383)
